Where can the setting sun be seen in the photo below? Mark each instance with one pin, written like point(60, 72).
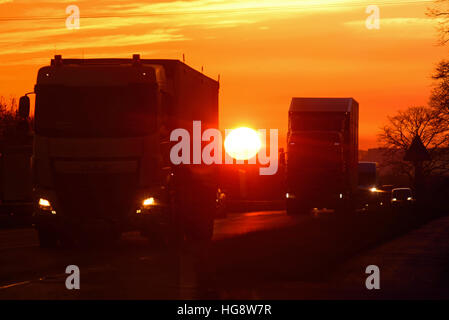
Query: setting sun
point(242, 143)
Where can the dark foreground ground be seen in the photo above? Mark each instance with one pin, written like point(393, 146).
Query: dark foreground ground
point(254, 255)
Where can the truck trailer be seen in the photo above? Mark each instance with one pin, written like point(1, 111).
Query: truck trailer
point(101, 161)
point(322, 154)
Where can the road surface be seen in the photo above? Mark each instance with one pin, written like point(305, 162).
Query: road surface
point(133, 269)
point(254, 255)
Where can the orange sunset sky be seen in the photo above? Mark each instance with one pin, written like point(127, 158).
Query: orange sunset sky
point(265, 51)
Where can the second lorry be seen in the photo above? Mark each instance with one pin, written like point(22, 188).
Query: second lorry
point(322, 154)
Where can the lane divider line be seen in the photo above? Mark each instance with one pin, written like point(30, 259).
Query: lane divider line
point(15, 284)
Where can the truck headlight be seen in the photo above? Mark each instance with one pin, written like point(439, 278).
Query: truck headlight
point(44, 204)
point(148, 202)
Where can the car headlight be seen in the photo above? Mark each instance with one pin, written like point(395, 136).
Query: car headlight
point(409, 198)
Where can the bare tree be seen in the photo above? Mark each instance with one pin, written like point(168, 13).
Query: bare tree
point(425, 122)
point(8, 114)
point(440, 12)
point(439, 99)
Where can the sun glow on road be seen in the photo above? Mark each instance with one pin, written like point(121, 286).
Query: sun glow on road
point(242, 143)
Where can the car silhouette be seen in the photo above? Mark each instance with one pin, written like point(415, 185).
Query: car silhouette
point(401, 197)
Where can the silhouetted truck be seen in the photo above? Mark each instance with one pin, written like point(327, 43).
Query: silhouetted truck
point(101, 151)
point(368, 195)
point(367, 172)
point(15, 168)
point(322, 154)
point(15, 178)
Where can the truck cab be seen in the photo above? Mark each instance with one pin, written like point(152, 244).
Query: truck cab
point(321, 153)
point(101, 149)
point(369, 195)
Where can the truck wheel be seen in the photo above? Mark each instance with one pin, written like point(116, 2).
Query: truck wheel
point(197, 223)
point(47, 238)
point(346, 208)
point(169, 237)
point(294, 208)
point(159, 239)
point(200, 231)
point(291, 207)
point(291, 211)
point(156, 239)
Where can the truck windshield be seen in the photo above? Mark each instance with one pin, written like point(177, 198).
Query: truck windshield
point(316, 150)
point(322, 157)
point(66, 111)
point(367, 179)
point(317, 121)
point(367, 173)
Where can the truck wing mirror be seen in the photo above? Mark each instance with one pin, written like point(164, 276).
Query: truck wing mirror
point(24, 107)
